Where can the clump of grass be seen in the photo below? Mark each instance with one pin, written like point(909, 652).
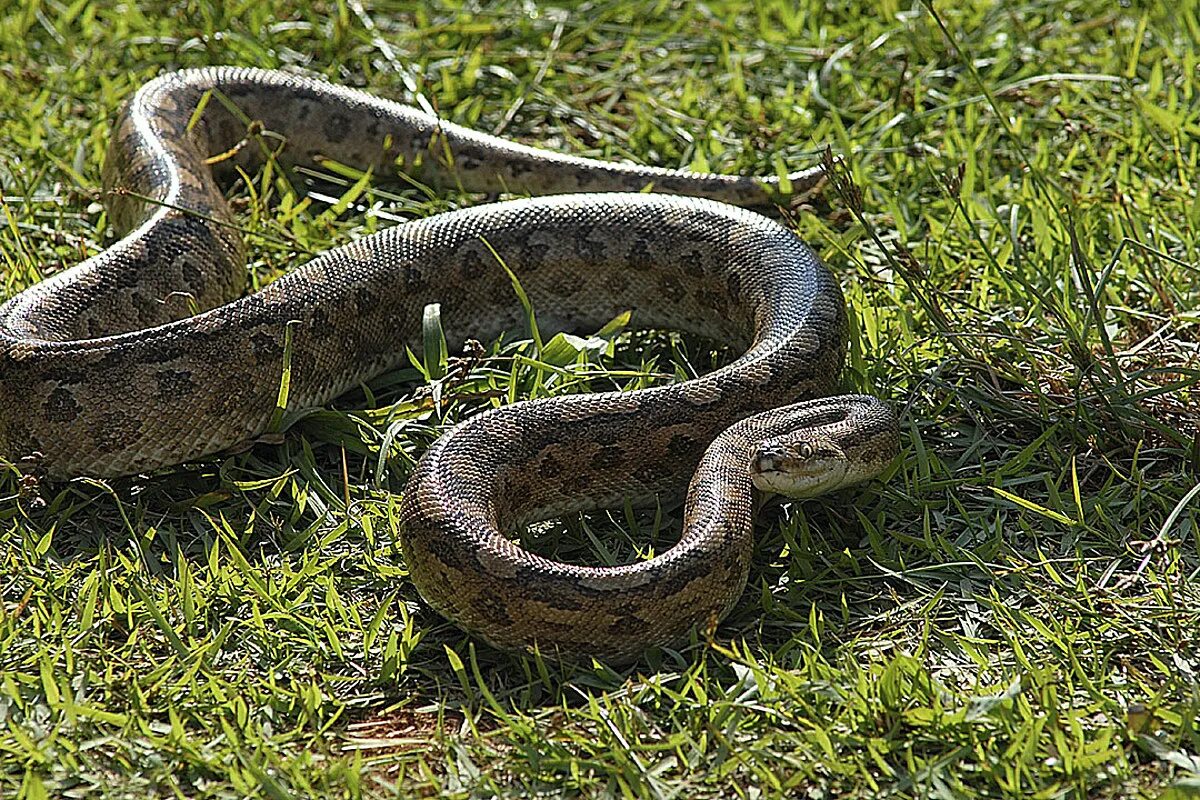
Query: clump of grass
point(1013, 613)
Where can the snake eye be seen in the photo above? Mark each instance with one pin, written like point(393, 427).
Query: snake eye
point(806, 450)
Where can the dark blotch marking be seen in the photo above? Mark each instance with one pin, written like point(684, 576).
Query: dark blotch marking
point(587, 248)
point(713, 300)
point(733, 285)
point(685, 572)
point(414, 279)
point(550, 467)
point(490, 608)
point(264, 347)
point(696, 260)
point(319, 325)
point(608, 457)
point(533, 258)
point(641, 253)
point(192, 274)
point(579, 482)
point(621, 627)
point(364, 300)
point(672, 288)
point(169, 349)
point(148, 308)
point(472, 266)
point(60, 406)
point(681, 444)
point(560, 601)
point(610, 431)
point(117, 431)
point(95, 328)
point(450, 559)
point(170, 238)
point(336, 128)
point(649, 474)
point(174, 383)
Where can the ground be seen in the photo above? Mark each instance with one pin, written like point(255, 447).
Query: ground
point(1012, 612)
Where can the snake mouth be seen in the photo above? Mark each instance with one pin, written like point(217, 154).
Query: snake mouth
point(772, 468)
point(777, 460)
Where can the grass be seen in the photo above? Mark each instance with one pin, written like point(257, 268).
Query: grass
point(1014, 613)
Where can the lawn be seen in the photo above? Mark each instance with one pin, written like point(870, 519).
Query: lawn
point(1013, 612)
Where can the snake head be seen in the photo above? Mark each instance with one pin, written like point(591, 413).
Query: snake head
point(821, 446)
point(799, 467)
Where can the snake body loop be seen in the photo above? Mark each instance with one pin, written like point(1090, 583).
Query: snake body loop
point(148, 355)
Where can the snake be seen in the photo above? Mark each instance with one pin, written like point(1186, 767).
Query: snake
point(151, 353)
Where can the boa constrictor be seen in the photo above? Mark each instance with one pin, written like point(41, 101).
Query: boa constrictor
point(148, 354)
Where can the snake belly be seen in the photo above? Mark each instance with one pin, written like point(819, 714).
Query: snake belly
point(149, 354)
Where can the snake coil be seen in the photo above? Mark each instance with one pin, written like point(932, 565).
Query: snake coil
point(148, 354)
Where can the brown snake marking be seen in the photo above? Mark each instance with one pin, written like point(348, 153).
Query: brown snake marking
point(106, 369)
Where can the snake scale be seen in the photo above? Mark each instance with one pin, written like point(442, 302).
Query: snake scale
point(150, 354)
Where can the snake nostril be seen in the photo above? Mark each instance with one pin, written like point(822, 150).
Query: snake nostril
point(769, 458)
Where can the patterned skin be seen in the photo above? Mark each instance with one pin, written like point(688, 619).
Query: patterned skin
point(148, 355)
